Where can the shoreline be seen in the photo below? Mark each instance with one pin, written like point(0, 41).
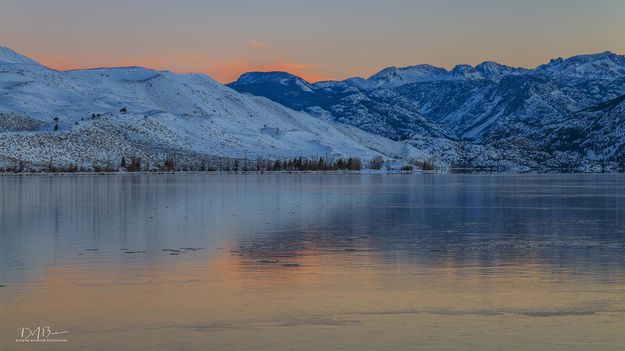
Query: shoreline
point(341, 172)
point(187, 173)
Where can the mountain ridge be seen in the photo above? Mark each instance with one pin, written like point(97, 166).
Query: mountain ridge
point(487, 70)
point(567, 115)
point(490, 105)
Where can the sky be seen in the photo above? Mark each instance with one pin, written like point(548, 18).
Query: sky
point(317, 40)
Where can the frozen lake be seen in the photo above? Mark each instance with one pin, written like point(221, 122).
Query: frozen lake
point(314, 262)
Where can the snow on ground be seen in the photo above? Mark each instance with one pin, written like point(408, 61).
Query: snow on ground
point(101, 115)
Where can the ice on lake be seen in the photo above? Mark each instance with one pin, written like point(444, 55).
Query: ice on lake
point(315, 262)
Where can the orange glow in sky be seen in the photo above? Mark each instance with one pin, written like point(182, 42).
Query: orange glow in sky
point(317, 40)
point(224, 72)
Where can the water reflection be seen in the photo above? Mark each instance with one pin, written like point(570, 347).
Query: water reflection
point(227, 259)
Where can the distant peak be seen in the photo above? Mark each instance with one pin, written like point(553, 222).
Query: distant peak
point(393, 76)
point(463, 69)
point(255, 77)
point(603, 65)
point(606, 53)
point(556, 60)
point(490, 64)
point(588, 57)
point(268, 73)
point(495, 71)
point(275, 77)
point(420, 67)
point(597, 55)
point(497, 65)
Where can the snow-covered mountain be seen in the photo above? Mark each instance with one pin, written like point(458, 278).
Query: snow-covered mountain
point(595, 133)
point(486, 110)
point(98, 116)
point(606, 65)
point(491, 109)
point(567, 113)
point(393, 77)
point(379, 111)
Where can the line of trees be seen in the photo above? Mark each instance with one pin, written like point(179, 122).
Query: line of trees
point(171, 163)
point(199, 164)
point(303, 164)
point(297, 164)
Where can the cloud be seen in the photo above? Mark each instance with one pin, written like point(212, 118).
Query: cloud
point(257, 44)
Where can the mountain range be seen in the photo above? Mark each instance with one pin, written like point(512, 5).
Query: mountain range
point(568, 114)
point(561, 115)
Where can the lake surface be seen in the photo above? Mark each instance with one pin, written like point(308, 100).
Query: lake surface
point(314, 262)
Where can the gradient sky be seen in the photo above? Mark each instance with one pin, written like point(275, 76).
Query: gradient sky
point(317, 40)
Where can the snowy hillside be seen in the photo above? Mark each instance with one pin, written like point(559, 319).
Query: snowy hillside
point(380, 111)
point(101, 115)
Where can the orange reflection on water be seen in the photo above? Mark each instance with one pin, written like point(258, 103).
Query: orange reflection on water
point(238, 299)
